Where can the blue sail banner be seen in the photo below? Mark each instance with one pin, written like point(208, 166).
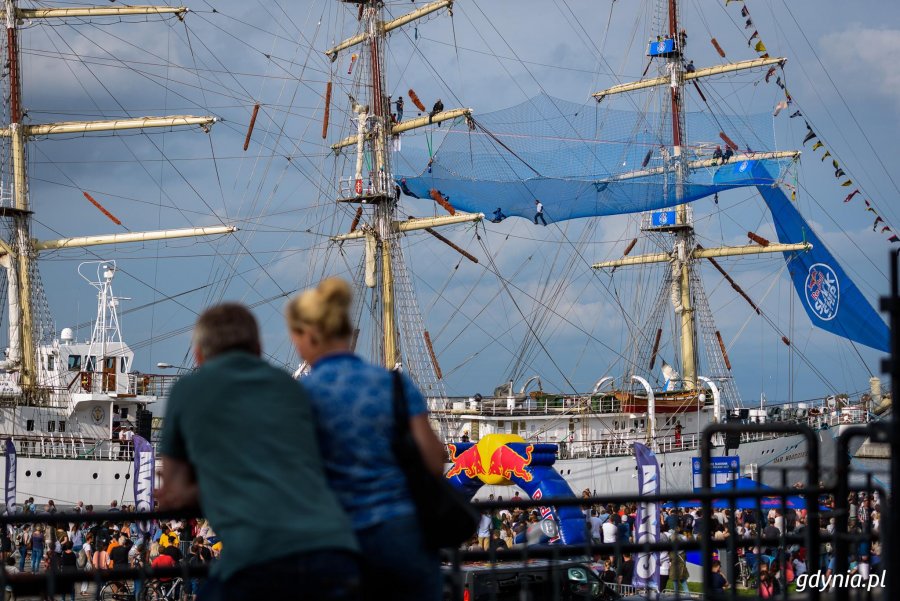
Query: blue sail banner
point(646, 523)
point(831, 299)
point(144, 465)
point(10, 476)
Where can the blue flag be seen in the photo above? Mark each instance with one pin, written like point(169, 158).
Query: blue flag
point(646, 523)
point(831, 299)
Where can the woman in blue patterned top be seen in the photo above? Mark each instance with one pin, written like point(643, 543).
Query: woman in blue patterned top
point(353, 405)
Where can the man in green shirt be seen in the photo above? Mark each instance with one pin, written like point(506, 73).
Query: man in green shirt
point(239, 440)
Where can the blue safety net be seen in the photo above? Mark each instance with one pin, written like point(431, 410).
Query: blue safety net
point(584, 160)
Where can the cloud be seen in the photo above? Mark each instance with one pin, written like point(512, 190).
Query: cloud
point(865, 58)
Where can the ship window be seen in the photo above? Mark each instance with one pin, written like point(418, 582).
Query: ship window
point(29, 425)
point(51, 426)
point(91, 364)
point(51, 363)
point(123, 365)
point(109, 364)
point(74, 362)
point(62, 425)
point(499, 423)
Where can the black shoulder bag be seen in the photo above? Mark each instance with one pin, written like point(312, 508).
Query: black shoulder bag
point(447, 519)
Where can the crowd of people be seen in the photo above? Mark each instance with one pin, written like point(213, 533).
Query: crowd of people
point(769, 568)
point(88, 545)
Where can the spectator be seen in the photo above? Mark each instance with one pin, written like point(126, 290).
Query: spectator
point(626, 570)
point(238, 438)
point(484, 530)
point(11, 570)
point(37, 549)
point(717, 582)
point(68, 563)
point(355, 433)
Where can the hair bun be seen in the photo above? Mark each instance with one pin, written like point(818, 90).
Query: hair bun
point(336, 292)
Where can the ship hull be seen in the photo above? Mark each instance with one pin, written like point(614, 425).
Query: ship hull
point(67, 481)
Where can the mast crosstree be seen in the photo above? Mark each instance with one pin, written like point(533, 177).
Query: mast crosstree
point(404, 342)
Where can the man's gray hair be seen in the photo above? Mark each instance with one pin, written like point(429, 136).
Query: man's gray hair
point(227, 327)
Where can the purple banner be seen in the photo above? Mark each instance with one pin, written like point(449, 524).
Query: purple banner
point(144, 466)
point(10, 477)
point(646, 524)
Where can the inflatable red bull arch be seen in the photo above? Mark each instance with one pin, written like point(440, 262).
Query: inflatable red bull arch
point(507, 459)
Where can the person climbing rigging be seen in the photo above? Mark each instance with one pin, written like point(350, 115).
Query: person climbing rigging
point(717, 155)
point(437, 108)
point(498, 216)
point(399, 105)
point(539, 212)
point(690, 68)
point(727, 156)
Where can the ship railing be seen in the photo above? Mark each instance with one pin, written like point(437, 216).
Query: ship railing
point(138, 384)
point(525, 405)
point(62, 446)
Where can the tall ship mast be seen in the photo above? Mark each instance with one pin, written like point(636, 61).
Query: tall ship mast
point(401, 341)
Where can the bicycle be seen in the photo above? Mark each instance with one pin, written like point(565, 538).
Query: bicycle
point(157, 590)
point(116, 591)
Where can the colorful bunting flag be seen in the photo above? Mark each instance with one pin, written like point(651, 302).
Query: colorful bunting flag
point(760, 47)
point(748, 24)
point(893, 239)
point(839, 173)
point(851, 195)
point(885, 229)
point(779, 83)
point(849, 182)
point(810, 134)
point(817, 145)
point(745, 12)
point(770, 73)
point(878, 220)
point(825, 156)
point(755, 34)
point(796, 114)
point(780, 107)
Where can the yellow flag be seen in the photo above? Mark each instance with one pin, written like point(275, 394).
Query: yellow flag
point(817, 146)
point(760, 47)
point(847, 183)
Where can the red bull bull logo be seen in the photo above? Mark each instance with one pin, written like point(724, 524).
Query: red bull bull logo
point(506, 463)
point(492, 460)
point(467, 462)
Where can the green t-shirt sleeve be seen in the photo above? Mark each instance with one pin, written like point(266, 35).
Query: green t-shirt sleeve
point(171, 440)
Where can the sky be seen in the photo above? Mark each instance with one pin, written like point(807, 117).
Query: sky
point(226, 56)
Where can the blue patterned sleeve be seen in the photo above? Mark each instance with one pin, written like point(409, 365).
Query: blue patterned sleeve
point(415, 402)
